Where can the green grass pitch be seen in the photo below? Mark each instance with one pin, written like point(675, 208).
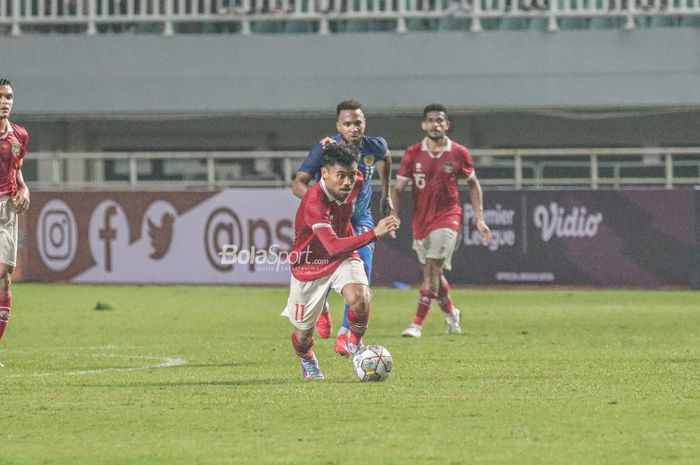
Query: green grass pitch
point(206, 375)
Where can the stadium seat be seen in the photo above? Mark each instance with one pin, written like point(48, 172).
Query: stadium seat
point(513, 24)
point(664, 21)
point(450, 23)
point(604, 22)
point(267, 27)
point(690, 21)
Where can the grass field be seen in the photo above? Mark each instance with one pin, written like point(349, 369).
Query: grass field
point(538, 377)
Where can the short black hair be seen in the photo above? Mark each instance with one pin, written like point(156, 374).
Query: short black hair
point(434, 107)
point(340, 153)
point(350, 104)
point(5, 82)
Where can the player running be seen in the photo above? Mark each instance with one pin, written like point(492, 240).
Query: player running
point(434, 166)
point(374, 155)
point(324, 255)
point(14, 196)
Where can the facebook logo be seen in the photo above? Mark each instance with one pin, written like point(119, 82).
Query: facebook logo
point(109, 234)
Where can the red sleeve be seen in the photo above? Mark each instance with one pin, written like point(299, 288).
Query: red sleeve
point(466, 161)
point(406, 167)
point(23, 137)
point(335, 245)
point(316, 211)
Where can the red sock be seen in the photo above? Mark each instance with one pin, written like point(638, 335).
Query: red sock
point(426, 299)
point(444, 299)
point(5, 307)
point(358, 325)
point(303, 350)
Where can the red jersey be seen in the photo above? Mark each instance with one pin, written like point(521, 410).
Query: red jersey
point(323, 235)
point(13, 147)
point(435, 195)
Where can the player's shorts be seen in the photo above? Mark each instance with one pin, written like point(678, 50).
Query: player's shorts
point(306, 298)
point(439, 245)
point(8, 231)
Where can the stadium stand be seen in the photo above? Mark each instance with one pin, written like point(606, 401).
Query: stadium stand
point(336, 16)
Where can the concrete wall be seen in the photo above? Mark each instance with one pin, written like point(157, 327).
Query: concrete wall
point(276, 92)
point(291, 73)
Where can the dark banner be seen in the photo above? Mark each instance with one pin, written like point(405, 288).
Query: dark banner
point(636, 238)
point(639, 238)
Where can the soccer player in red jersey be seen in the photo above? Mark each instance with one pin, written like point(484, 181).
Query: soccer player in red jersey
point(324, 254)
point(14, 196)
point(434, 166)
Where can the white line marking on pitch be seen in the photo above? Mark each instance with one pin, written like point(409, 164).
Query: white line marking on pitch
point(165, 362)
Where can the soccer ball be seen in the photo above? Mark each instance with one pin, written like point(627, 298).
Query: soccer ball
point(374, 363)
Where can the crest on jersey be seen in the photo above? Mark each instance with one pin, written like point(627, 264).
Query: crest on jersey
point(448, 167)
point(16, 149)
point(369, 160)
point(419, 166)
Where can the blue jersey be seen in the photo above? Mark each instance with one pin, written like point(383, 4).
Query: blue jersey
point(372, 150)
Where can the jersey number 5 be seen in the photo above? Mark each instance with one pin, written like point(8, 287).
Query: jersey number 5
point(419, 180)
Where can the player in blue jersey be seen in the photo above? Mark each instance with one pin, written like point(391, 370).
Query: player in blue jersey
point(374, 156)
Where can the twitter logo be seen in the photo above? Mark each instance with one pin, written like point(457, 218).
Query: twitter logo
point(159, 227)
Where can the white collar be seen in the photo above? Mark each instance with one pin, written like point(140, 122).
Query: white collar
point(447, 148)
point(6, 133)
point(328, 193)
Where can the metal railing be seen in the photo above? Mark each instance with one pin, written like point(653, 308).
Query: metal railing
point(321, 16)
point(583, 168)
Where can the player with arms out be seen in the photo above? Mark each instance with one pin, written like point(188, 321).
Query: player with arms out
point(434, 166)
point(324, 254)
point(374, 155)
point(14, 196)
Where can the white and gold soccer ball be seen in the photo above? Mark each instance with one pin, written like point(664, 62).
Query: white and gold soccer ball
point(374, 363)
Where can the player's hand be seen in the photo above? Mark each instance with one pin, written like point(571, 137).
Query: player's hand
point(21, 200)
point(326, 141)
point(386, 226)
point(485, 232)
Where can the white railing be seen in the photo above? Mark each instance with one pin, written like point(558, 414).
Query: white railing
point(322, 16)
point(508, 168)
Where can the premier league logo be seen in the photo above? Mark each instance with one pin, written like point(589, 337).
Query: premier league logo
point(16, 149)
point(369, 160)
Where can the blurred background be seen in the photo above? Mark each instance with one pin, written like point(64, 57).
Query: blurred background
point(571, 109)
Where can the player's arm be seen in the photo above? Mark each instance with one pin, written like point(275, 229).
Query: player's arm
point(21, 198)
point(386, 206)
point(309, 169)
point(335, 245)
point(403, 177)
point(477, 198)
point(300, 184)
point(399, 186)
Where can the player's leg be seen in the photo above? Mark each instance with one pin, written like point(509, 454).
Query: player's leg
point(5, 298)
point(357, 297)
point(324, 325)
point(366, 254)
point(306, 300)
point(8, 259)
point(447, 239)
point(427, 293)
point(453, 316)
point(350, 280)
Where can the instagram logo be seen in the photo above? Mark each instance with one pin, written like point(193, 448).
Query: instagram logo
point(57, 235)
